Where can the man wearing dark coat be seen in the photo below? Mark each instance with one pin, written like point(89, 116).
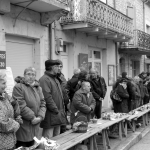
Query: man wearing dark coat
point(55, 113)
point(83, 104)
point(98, 89)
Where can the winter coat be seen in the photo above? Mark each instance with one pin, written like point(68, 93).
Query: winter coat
point(8, 126)
point(55, 114)
point(137, 96)
point(148, 87)
point(146, 96)
point(32, 104)
point(122, 107)
point(82, 104)
point(98, 88)
point(71, 85)
point(63, 83)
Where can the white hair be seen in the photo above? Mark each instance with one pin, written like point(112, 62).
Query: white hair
point(76, 71)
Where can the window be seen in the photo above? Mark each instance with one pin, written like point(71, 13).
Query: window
point(148, 29)
point(94, 59)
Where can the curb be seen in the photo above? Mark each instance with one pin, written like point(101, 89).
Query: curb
point(134, 138)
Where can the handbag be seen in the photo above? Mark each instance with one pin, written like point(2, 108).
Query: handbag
point(114, 96)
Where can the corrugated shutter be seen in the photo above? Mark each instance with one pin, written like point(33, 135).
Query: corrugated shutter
point(19, 54)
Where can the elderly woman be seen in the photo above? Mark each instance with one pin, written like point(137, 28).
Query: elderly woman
point(8, 126)
point(32, 106)
point(122, 107)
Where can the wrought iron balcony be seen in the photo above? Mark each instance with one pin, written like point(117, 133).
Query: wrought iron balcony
point(98, 14)
point(140, 42)
point(63, 1)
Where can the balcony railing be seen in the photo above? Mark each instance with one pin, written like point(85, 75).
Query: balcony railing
point(99, 14)
point(140, 40)
point(63, 1)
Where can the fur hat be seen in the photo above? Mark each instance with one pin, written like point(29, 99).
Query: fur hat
point(49, 63)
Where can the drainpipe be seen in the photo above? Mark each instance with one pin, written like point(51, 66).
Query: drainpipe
point(50, 41)
point(114, 4)
point(116, 53)
point(144, 22)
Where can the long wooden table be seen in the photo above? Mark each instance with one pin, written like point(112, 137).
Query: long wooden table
point(69, 139)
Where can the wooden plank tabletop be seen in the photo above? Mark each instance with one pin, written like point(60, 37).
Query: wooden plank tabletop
point(72, 139)
point(103, 124)
point(140, 113)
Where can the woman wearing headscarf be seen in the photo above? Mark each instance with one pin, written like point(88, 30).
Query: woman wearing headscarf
point(8, 124)
point(29, 95)
point(121, 90)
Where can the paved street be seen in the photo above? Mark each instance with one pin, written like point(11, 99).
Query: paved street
point(143, 144)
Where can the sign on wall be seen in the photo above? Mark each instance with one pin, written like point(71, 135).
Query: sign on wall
point(2, 59)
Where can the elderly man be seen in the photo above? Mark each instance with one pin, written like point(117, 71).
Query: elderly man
point(99, 89)
point(55, 113)
point(71, 84)
point(83, 104)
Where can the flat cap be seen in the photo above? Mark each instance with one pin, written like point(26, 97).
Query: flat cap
point(49, 63)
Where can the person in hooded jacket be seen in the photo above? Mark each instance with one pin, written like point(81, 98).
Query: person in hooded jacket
point(122, 107)
point(31, 101)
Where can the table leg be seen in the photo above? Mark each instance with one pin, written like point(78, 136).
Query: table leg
point(104, 139)
point(123, 129)
point(126, 128)
point(143, 118)
point(134, 125)
point(95, 143)
point(146, 116)
point(107, 139)
point(120, 131)
point(91, 143)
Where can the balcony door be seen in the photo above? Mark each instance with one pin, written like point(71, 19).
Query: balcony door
point(135, 68)
point(95, 59)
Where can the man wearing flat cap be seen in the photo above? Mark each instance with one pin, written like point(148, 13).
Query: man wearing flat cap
point(55, 113)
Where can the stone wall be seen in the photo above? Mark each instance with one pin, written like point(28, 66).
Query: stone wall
point(27, 25)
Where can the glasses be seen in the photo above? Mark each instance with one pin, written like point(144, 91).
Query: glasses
point(30, 74)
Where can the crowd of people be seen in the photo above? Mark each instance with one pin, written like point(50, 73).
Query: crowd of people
point(134, 92)
point(44, 104)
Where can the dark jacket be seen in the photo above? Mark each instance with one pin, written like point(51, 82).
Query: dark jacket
point(53, 95)
point(32, 104)
point(122, 107)
point(82, 103)
point(63, 83)
point(98, 88)
point(71, 85)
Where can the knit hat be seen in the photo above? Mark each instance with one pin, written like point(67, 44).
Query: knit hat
point(124, 74)
point(59, 61)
